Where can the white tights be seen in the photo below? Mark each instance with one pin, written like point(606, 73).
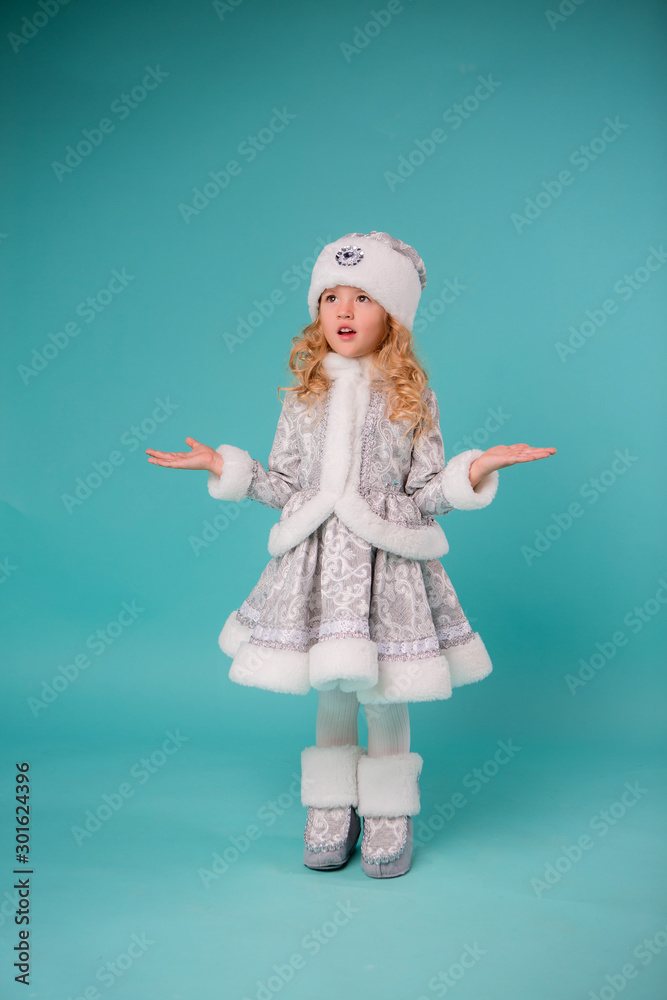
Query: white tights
point(388, 725)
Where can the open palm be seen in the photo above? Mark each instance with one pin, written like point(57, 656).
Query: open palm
point(200, 457)
point(504, 455)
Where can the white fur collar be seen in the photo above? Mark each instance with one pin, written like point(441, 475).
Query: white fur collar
point(340, 477)
point(336, 365)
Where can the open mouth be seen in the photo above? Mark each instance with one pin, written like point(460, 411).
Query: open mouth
point(346, 331)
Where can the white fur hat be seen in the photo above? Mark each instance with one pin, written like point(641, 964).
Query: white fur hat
point(392, 272)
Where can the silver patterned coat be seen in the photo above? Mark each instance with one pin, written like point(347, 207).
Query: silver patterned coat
point(351, 459)
point(349, 482)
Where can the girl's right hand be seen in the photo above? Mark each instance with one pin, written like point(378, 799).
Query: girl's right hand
point(200, 457)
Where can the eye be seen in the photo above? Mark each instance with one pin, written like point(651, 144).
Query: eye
point(363, 296)
point(329, 296)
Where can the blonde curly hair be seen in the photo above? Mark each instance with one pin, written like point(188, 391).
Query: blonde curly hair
point(397, 370)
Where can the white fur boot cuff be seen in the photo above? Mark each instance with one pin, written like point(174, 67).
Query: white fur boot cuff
point(329, 776)
point(388, 786)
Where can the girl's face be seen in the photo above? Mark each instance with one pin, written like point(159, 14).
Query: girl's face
point(347, 308)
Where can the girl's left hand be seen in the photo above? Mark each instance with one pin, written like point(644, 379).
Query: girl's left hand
point(503, 455)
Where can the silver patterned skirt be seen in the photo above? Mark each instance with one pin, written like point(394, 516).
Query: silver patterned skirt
point(334, 585)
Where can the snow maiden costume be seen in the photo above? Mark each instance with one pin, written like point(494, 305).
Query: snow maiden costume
point(355, 596)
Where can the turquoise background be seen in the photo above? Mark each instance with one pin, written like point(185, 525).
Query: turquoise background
point(170, 335)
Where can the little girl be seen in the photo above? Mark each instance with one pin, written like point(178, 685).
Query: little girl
point(355, 601)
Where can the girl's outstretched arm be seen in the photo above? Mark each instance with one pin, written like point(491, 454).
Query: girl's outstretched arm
point(502, 456)
point(244, 476)
point(438, 487)
point(235, 475)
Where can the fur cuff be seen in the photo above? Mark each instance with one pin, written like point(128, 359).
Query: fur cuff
point(388, 786)
point(232, 635)
point(281, 670)
point(409, 680)
point(353, 661)
point(457, 487)
point(468, 662)
point(329, 776)
point(237, 470)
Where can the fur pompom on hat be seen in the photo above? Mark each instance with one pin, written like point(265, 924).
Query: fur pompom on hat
point(391, 271)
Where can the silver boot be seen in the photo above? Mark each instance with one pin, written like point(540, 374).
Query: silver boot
point(388, 799)
point(331, 836)
point(329, 790)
